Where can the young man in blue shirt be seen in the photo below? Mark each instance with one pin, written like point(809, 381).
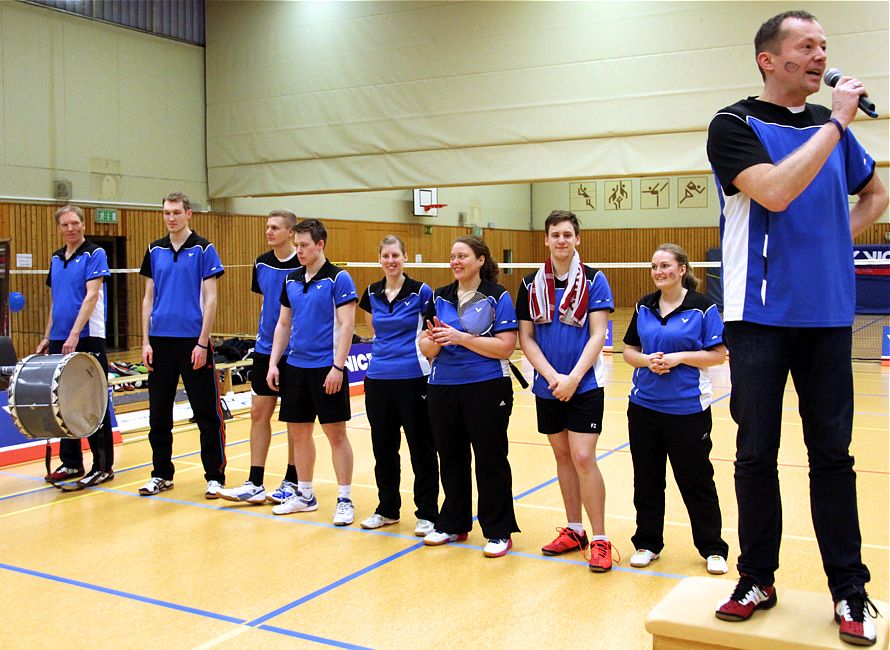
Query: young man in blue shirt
point(178, 311)
point(269, 273)
point(784, 170)
point(316, 323)
point(76, 323)
point(563, 312)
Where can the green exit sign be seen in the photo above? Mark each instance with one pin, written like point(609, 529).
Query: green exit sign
point(106, 215)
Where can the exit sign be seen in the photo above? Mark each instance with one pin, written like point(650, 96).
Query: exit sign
point(106, 215)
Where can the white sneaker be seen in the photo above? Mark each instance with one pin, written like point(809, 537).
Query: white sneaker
point(643, 557)
point(295, 503)
point(378, 521)
point(717, 565)
point(344, 514)
point(285, 490)
point(155, 484)
point(437, 538)
point(424, 527)
point(213, 490)
point(497, 547)
point(247, 492)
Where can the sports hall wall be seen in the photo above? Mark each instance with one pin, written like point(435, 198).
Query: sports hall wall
point(118, 113)
point(505, 107)
point(309, 98)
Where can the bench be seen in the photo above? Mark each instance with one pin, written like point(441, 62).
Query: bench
point(684, 619)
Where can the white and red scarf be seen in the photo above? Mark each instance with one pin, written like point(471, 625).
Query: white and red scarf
point(542, 295)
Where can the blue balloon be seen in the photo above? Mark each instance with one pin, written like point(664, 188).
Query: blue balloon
point(16, 301)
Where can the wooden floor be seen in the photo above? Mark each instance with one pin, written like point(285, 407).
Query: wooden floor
point(107, 568)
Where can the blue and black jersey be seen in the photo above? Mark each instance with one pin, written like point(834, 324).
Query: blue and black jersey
point(694, 325)
point(456, 364)
point(561, 343)
point(397, 325)
point(792, 268)
point(269, 274)
point(314, 327)
point(67, 278)
point(178, 277)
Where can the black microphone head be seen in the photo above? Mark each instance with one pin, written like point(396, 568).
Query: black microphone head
point(832, 75)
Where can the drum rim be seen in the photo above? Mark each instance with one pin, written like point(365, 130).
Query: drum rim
point(54, 387)
point(13, 407)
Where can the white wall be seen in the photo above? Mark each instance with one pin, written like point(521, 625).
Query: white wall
point(81, 100)
point(308, 97)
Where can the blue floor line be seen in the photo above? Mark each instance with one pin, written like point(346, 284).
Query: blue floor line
point(337, 583)
point(123, 594)
point(311, 637)
point(259, 623)
point(175, 606)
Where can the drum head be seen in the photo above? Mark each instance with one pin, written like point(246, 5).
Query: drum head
point(80, 388)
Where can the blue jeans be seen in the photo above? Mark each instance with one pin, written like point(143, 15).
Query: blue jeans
point(819, 360)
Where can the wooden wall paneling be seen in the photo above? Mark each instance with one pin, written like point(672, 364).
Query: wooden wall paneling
point(239, 239)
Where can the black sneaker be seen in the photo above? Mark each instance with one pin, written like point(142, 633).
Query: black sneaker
point(63, 474)
point(95, 477)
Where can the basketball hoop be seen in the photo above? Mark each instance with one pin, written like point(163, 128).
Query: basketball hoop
point(433, 206)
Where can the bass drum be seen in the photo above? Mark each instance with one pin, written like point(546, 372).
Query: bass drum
point(58, 395)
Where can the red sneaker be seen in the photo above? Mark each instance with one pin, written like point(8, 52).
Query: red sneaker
point(854, 614)
point(600, 556)
point(567, 541)
point(64, 474)
point(747, 597)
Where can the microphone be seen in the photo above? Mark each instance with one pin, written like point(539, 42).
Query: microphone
point(833, 75)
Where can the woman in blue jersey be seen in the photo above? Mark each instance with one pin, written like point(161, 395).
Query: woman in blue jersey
point(395, 390)
point(470, 399)
point(674, 336)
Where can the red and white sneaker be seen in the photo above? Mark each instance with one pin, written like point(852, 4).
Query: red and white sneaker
point(747, 597)
point(566, 541)
point(855, 614)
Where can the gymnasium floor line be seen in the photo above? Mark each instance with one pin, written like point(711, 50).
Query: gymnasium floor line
point(257, 623)
point(299, 635)
point(167, 604)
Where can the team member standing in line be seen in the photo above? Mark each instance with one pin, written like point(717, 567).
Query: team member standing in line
point(563, 311)
point(396, 390)
point(76, 323)
point(470, 401)
point(269, 272)
point(178, 311)
point(784, 170)
point(316, 322)
point(674, 336)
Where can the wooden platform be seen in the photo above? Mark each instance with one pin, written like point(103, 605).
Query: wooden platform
point(685, 619)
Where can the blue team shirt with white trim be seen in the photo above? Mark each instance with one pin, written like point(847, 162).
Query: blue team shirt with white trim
point(178, 277)
point(67, 280)
point(314, 327)
point(561, 343)
point(792, 268)
point(455, 364)
point(397, 326)
point(694, 325)
point(269, 274)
